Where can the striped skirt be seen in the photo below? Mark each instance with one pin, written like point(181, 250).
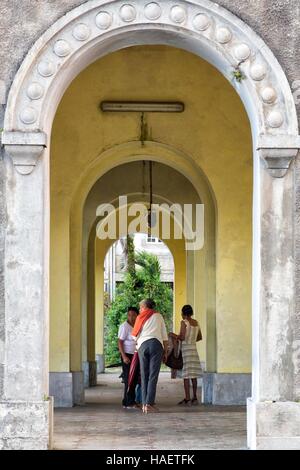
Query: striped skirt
point(191, 362)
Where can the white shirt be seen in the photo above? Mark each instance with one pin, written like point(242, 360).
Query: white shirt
point(154, 327)
point(124, 335)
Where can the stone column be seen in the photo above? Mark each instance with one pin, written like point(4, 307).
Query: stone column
point(25, 409)
point(91, 323)
point(273, 415)
point(99, 304)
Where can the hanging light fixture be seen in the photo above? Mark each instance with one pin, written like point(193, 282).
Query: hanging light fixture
point(151, 214)
point(144, 107)
point(141, 107)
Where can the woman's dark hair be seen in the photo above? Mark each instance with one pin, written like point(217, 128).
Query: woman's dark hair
point(187, 310)
point(133, 309)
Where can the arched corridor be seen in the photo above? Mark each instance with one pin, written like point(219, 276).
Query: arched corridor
point(216, 277)
point(229, 147)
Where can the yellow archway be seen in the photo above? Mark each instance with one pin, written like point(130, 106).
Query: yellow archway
point(97, 251)
point(207, 167)
point(112, 158)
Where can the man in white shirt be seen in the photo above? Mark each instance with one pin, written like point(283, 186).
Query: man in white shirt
point(127, 347)
point(152, 345)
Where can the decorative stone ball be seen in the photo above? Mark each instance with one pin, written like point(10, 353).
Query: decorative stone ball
point(28, 115)
point(35, 91)
point(223, 35)
point(152, 11)
point(81, 32)
point(127, 13)
point(201, 22)
point(258, 72)
point(268, 95)
point(178, 14)
point(242, 52)
point(275, 119)
point(62, 48)
point(46, 69)
point(103, 20)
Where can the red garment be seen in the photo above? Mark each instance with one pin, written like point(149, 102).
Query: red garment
point(141, 320)
point(134, 372)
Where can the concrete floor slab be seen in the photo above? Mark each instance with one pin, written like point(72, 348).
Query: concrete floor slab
point(103, 424)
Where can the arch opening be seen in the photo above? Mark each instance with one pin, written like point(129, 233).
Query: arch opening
point(118, 170)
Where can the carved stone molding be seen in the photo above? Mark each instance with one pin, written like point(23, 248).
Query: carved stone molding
point(59, 54)
point(93, 29)
point(278, 153)
point(24, 149)
point(278, 161)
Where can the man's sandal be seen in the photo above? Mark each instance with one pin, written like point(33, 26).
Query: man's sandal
point(184, 402)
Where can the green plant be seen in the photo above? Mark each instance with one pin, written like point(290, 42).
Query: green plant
point(238, 75)
point(148, 280)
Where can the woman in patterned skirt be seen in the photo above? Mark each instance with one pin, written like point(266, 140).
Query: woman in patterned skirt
point(190, 334)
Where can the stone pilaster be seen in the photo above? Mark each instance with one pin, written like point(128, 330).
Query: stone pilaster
point(25, 406)
point(273, 398)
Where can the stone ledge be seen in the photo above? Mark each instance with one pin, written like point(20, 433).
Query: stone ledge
point(24, 444)
point(278, 443)
point(24, 422)
point(278, 419)
point(24, 138)
point(273, 426)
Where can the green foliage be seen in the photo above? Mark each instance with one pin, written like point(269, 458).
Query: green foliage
point(130, 255)
point(139, 283)
point(238, 75)
point(150, 285)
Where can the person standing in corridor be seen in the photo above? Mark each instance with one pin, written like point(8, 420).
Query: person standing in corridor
point(127, 348)
point(190, 334)
point(152, 344)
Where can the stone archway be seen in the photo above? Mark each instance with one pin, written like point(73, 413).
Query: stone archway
point(106, 161)
point(89, 32)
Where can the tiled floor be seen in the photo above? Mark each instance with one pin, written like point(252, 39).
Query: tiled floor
point(103, 424)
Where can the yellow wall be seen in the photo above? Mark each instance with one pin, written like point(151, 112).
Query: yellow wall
point(214, 131)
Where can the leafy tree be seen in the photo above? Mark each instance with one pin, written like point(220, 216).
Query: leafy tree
point(141, 281)
point(127, 244)
point(130, 255)
point(150, 286)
